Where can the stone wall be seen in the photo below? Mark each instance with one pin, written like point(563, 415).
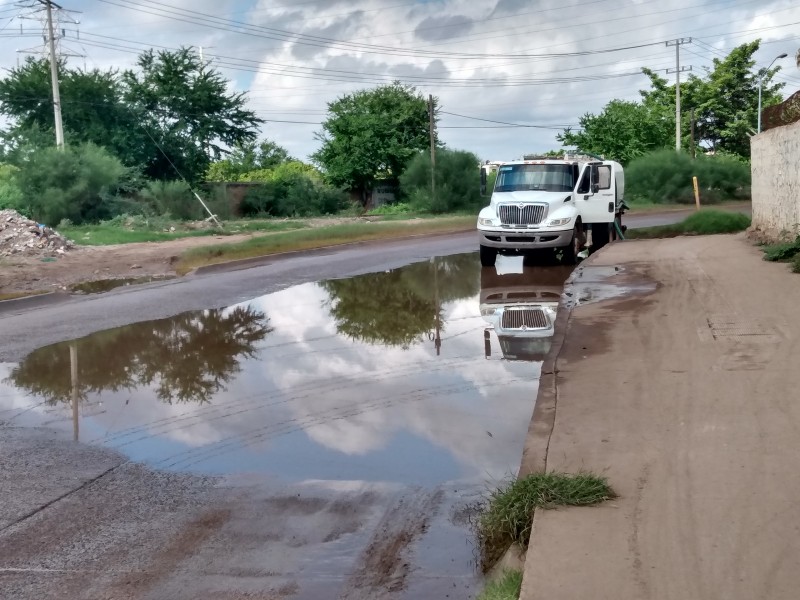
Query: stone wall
point(776, 182)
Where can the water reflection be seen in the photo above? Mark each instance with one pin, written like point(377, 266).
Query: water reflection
point(520, 308)
point(185, 358)
point(378, 378)
point(397, 307)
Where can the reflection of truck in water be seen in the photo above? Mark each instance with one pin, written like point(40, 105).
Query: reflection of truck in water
point(544, 205)
point(520, 309)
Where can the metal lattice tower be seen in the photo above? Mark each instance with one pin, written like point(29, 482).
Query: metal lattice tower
point(36, 11)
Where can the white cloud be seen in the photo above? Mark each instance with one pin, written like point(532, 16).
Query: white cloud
point(348, 46)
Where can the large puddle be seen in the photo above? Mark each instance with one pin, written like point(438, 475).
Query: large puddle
point(423, 376)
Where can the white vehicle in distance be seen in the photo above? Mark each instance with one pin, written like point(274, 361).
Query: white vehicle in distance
point(545, 205)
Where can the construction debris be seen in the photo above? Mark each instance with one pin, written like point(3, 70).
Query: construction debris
point(19, 236)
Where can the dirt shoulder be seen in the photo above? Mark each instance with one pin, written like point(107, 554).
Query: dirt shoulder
point(682, 392)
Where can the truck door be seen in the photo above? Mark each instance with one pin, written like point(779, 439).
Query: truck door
point(595, 194)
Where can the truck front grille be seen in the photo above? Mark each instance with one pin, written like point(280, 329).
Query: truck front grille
point(529, 318)
point(527, 214)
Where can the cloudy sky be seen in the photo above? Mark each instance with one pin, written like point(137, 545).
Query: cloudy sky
point(539, 64)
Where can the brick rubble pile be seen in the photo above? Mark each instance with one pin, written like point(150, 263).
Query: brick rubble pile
point(20, 236)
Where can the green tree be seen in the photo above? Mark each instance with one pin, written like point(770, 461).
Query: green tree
point(92, 106)
point(623, 130)
point(76, 183)
point(187, 112)
point(246, 158)
point(10, 192)
point(457, 185)
point(371, 135)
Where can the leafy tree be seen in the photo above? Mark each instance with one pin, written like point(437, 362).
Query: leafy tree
point(10, 192)
point(623, 130)
point(246, 158)
point(187, 111)
point(457, 185)
point(77, 183)
point(371, 135)
point(93, 108)
point(187, 358)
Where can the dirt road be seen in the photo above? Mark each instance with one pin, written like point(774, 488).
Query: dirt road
point(685, 395)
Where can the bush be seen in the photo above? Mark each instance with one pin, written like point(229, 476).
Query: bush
point(292, 189)
point(666, 176)
point(10, 192)
point(707, 221)
point(457, 182)
point(173, 198)
point(78, 183)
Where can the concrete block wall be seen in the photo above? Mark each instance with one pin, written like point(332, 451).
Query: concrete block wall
point(775, 160)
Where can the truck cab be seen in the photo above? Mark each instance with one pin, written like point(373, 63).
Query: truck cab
point(556, 205)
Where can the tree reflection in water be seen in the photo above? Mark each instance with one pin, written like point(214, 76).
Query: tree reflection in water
point(396, 308)
point(188, 358)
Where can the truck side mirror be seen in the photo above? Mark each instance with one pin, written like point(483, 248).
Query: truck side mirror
point(595, 188)
point(483, 181)
point(595, 179)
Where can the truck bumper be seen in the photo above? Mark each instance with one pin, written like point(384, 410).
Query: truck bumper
point(509, 239)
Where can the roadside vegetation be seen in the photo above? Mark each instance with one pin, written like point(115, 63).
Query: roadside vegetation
point(506, 587)
point(315, 238)
point(507, 516)
point(787, 252)
point(707, 221)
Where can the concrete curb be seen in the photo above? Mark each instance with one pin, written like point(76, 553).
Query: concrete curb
point(540, 430)
point(258, 261)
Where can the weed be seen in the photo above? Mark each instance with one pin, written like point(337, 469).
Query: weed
point(782, 252)
point(796, 264)
point(508, 514)
point(399, 208)
point(506, 587)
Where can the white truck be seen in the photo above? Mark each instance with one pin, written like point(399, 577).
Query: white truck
point(546, 205)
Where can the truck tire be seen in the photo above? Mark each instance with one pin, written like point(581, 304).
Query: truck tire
point(488, 256)
point(601, 235)
point(570, 252)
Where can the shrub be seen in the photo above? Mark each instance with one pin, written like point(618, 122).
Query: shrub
point(173, 198)
point(10, 192)
point(666, 176)
point(292, 189)
point(77, 183)
point(457, 182)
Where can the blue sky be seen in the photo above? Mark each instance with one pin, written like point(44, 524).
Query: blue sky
point(483, 60)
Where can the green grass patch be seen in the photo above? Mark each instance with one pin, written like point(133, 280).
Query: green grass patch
point(507, 516)
point(782, 252)
point(316, 238)
point(506, 587)
point(707, 221)
point(16, 295)
point(139, 230)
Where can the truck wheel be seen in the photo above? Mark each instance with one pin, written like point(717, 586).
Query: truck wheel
point(570, 255)
point(488, 256)
point(601, 235)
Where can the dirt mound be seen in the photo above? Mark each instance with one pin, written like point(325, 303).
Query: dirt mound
point(20, 236)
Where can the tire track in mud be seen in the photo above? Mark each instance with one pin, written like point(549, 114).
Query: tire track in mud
point(382, 568)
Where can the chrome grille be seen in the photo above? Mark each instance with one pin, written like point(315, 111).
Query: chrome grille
point(529, 318)
point(526, 214)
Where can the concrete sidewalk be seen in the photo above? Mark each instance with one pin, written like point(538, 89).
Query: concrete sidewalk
point(688, 399)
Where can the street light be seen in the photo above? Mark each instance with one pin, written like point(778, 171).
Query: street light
point(760, 78)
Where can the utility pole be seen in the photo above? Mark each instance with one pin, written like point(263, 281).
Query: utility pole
point(433, 148)
point(677, 70)
point(54, 75)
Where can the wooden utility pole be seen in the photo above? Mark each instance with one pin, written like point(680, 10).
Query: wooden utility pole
point(678, 70)
point(54, 73)
point(433, 148)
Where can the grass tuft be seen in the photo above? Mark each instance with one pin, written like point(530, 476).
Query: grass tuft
point(707, 221)
point(506, 587)
point(782, 252)
point(508, 514)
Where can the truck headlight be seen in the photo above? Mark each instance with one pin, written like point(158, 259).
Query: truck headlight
point(485, 312)
point(557, 222)
point(486, 222)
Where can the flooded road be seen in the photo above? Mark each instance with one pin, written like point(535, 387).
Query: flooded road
point(356, 422)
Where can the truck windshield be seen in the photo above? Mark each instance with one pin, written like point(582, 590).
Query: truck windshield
point(548, 178)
